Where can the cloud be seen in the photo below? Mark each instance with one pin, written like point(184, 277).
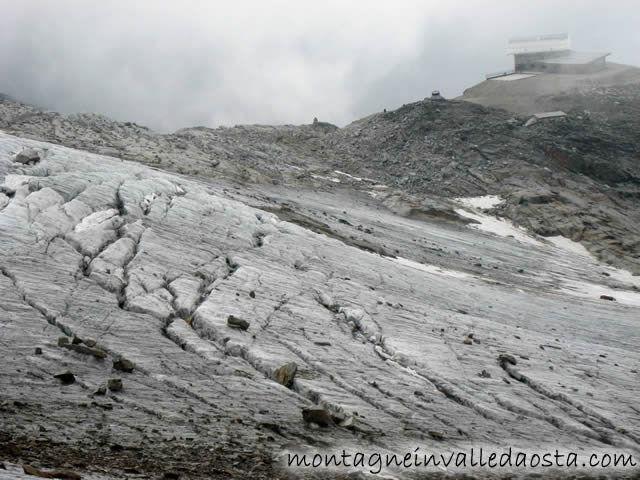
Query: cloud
point(170, 65)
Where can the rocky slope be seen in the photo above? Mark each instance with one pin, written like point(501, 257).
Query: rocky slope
point(202, 322)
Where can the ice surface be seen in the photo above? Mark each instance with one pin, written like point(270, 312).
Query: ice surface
point(151, 265)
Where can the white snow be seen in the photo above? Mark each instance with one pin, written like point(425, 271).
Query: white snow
point(429, 268)
point(569, 245)
point(357, 179)
point(330, 179)
point(619, 274)
point(486, 201)
point(500, 227)
point(623, 275)
point(590, 290)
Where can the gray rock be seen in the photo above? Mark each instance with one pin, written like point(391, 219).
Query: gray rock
point(123, 365)
point(83, 349)
point(114, 384)
point(27, 157)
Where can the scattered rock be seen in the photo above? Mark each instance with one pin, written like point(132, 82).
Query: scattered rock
point(124, 365)
point(63, 341)
point(27, 157)
point(85, 350)
point(235, 322)
point(317, 415)
point(436, 435)
point(607, 297)
point(114, 384)
point(101, 390)
point(484, 374)
point(66, 377)
point(285, 374)
point(89, 342)
point(38, 351)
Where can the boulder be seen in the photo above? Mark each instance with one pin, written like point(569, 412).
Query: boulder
point(239, 323)
point(114, 384)
point(124, 365)
point(27, 157)
point(317, 415)
point(285, 374)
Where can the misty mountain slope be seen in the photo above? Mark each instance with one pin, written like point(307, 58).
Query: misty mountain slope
point(559, 91)
point(194, 294)
point(578, 177)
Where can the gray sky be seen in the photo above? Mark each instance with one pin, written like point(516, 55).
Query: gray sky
point(170, 64)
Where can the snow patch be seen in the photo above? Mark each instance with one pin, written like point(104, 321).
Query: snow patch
point(484, 202)
point(590, 290)
point(619, 274)
point(330, 179)
point(429, 268)
point(569, 245)
point(357, 179)
point(500, 227)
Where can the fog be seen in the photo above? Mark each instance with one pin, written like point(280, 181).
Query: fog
point(175, 64)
